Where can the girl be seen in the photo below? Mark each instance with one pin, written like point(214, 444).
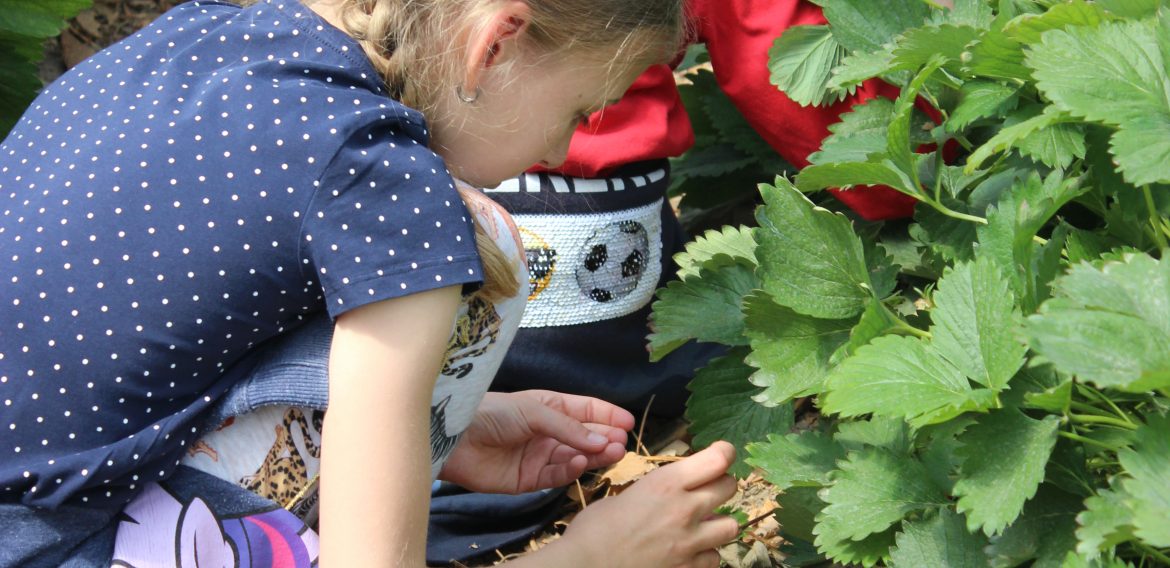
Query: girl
point(201, 188)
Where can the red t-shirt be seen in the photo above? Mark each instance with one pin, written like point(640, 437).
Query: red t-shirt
point(651, 123)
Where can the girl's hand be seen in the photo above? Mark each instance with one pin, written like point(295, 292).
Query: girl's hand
point(530, 440)
point(666, 519)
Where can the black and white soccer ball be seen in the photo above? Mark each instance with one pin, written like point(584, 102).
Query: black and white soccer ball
point(615, 259)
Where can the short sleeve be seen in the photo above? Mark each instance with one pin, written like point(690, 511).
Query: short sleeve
point(386, 221)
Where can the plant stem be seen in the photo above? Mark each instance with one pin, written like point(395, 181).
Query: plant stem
point(907, 329)
point(966, 144)
point(1159, 236)
point(1104, 420)
point(1101, 397)
point(756, 520)
point(1083, 407)
point(1151, 551)
point(1083, 440)
point(955, 214)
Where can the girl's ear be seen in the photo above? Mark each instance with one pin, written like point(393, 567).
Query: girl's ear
point(495, 41)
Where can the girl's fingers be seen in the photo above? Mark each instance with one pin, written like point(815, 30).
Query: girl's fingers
point(545, 421)
point(715, 493)
point(612, 454)
point(715, 532)
point(701, 468)
point(561, 474)
point(587, 409)
point(706, 559)
point(615, 435)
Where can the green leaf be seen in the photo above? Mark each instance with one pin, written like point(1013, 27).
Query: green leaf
point(849, 174)
point(711, 161)
point(1015, 134)
point(861, 132)
point(1135, 9)
point(867, 552)
point(888, 433)
point(974, 13)
point(1067, 469)
point(864, 25)
point(1109, 326)
point(875, 322)
point(1029, 28)
point(1084, 246)
point(918, 46)
point(860, 66)
point(730, 124)
point(706, 308)
point(1113, 74)
point(1008, 237)
point(883, 273)
point(1043, 533)
point(1047, 265)
point(799, 507)
point(976, 322)
point(997, 56)
point(791, 351)
point(810, 259)
point(941, 540)
point(873, 490)
point(981, 99)
point(1056, 399)
point(1147, 489)
point(901, 377)
point(735, 242)
point(1072, 560)
point(804, 459)
point(1055, 146)
point(1001, 54)
point(721, 408)
point(940, 451)
point(18, 87)
point(24, 26)
point(802, 61)
point(899, 149)
point(40, 19)
point(950, 238)
point(1142, 150)
point(1004, 456)
point(1106, 522)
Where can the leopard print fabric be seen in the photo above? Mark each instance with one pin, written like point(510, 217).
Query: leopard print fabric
point(474, 333)
point(283, 476)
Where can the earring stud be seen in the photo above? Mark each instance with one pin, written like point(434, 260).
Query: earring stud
point(465, 98)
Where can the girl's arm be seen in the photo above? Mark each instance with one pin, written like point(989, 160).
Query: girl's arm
point(376, 458)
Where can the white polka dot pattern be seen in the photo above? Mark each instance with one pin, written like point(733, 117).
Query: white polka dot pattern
point(175, 201)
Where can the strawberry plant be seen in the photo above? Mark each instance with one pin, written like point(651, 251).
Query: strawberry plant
point(24, 27)
point(992, 378)
point(716, 179)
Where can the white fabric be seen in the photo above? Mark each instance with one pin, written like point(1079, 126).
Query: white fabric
point(570, 292)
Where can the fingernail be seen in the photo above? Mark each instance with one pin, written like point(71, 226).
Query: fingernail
point(595, 438)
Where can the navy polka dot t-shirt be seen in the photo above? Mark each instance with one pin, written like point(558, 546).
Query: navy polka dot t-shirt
point(177, 200)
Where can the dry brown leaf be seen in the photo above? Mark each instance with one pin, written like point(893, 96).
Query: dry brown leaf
point(630, 469)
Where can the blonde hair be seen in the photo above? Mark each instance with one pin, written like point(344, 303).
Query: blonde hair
point(410, 43)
